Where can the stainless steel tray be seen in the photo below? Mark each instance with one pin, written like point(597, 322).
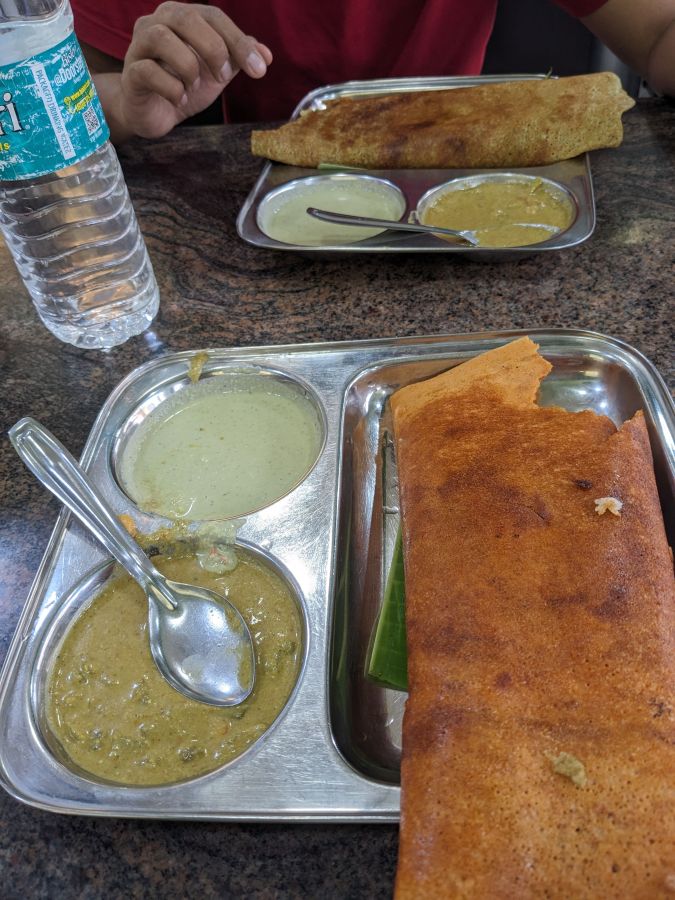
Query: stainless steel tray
point(334, 756)
point(574, 174)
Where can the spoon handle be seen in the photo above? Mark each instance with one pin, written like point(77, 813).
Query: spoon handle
point(58, 471)
point(344, 219)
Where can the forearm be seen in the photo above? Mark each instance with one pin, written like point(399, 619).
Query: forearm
point(642, 34)
point(660, 72)
point(109, 88)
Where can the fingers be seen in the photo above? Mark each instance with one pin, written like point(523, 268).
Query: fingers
point(251, 56)
point(244, 52)
point(254, 69)
point(145, 76)
point(177, 31)
point(157, 43)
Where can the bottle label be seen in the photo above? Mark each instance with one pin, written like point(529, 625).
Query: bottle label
point(50, 114)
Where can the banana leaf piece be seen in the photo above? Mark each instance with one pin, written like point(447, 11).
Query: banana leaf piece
point(388, 658)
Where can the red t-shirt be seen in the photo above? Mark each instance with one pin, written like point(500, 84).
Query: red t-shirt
point(317, 43)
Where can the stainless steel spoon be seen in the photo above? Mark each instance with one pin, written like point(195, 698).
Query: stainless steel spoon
point(468, 236)
point(199, 641)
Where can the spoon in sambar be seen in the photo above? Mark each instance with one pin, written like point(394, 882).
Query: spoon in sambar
point(198, 639)
point(466, 236)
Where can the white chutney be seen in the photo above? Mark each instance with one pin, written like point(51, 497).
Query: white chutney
point(282, 214)
point(223, 447)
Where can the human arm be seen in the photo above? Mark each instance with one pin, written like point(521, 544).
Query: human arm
point(180, 59)
point(642, 34)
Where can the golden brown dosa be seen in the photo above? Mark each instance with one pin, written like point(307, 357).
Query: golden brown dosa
point(535, 628)
point(517, 123)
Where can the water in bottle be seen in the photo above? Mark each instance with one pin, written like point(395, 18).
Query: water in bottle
point(64, 207)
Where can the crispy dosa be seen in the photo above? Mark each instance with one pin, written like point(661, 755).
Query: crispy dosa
point(539, 732)
point(517, 123)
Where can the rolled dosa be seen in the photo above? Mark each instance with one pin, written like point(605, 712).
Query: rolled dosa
point(539, 733)
point(517, 123)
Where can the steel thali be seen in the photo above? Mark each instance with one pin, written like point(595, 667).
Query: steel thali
point(334, 755)
point(572, 175)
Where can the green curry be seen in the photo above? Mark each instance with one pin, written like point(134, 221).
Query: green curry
point(117, 718)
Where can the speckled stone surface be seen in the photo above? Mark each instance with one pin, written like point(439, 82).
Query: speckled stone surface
point(218, 291)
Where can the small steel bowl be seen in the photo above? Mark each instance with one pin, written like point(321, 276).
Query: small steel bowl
point(556, 190)
point(170, 391)
point(64, 615)
point(275, 199)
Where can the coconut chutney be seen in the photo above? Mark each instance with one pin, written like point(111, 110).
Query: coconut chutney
point(282, 214)
point(223, 447)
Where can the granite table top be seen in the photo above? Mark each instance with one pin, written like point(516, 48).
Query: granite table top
point(218, 291)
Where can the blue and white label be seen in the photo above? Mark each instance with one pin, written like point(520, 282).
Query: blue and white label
point(50, 114)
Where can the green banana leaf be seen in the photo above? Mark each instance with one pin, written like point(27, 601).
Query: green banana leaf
point(388, 658)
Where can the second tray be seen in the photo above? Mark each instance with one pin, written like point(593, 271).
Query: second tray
point(574, 175)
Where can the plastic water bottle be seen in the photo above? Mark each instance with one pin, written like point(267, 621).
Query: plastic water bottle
point(65, 210)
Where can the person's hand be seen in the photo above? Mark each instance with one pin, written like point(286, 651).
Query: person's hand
point(179, 60)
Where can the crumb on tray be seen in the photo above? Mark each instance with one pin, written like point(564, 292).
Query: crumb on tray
point(128, 524)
